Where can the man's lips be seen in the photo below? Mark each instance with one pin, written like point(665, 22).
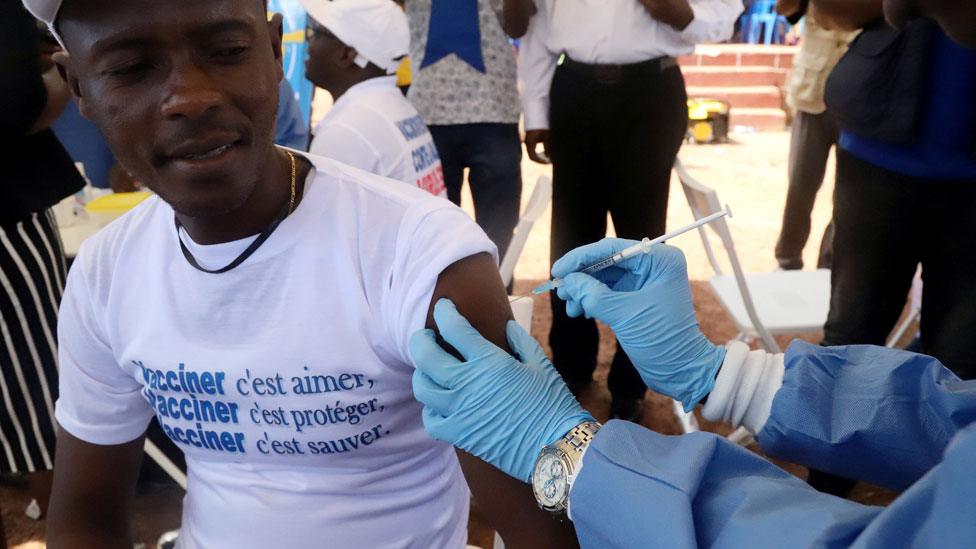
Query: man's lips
point(212, 153)
point(203, 149)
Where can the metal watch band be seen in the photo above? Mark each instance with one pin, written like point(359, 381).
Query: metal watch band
point(579, 437)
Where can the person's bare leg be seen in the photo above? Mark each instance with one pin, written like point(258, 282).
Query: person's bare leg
point(39, 487)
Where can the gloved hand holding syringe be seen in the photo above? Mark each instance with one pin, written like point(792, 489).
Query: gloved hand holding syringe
point(642, 247)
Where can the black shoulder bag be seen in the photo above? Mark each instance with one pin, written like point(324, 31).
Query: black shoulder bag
point(878, 88)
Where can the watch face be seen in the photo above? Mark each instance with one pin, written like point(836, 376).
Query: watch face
point(549, 480)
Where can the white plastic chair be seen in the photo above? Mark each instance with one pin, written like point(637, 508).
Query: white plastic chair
point(165, 463)
point(760, 305)
point(541, 196)
point(914, 311)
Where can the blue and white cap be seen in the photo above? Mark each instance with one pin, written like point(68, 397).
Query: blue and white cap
point(376, 29)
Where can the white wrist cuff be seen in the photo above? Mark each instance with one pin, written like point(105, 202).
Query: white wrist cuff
point(745, 387)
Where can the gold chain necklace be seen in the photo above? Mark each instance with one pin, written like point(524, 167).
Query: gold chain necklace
point(291, 200)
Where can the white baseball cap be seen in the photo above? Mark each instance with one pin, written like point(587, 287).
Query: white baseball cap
point(376, 29)
point(47, 12)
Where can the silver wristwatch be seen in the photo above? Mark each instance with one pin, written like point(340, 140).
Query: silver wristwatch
point(557, 465)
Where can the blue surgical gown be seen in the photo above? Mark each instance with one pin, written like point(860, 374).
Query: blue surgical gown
point(894, 418)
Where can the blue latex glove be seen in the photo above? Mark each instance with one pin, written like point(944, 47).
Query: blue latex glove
point(646, 301)
point(497, 407)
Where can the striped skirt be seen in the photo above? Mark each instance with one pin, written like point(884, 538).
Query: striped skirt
point(32, 273)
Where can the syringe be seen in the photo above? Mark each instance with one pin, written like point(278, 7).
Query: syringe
point(642, 247)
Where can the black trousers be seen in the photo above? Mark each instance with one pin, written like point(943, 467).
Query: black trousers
point(493, 154)
point(811, 138)
point(612, 146)
point(886, 224)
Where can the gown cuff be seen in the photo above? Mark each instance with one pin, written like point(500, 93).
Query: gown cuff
point(745, 387)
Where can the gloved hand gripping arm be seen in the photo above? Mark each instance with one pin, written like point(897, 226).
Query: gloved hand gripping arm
point(493, 405)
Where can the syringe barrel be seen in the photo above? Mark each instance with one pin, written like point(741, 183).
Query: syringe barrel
point(603, 264)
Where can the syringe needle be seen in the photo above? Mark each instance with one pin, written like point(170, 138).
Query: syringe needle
point(645, 248)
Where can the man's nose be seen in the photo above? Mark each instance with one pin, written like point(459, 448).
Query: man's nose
point(191, 93)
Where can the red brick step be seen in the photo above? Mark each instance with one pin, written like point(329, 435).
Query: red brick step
point(752, 78)
point(734, 76)
point(764, 97)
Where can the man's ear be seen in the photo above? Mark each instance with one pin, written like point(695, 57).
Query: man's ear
point(62, 60)
point(276, 31)
point(347, 57)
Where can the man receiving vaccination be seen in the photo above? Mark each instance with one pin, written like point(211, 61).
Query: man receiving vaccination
point(260, 306)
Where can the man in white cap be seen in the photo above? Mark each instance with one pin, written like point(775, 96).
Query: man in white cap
point(354, 48)
point(277, 292)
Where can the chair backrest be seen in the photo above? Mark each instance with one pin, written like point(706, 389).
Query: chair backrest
point(914, 311)
point(538, 202)
point(703, 201)
point(760, 20)
point(763, 7)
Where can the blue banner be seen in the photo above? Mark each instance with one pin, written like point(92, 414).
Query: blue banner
point(454, 28)
point(295, 48)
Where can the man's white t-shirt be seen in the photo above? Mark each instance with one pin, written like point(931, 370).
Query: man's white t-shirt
point(286, 381)
point(373, 127)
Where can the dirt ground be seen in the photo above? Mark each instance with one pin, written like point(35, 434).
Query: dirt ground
point(749, 175)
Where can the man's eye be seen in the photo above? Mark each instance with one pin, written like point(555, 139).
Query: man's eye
point(236, 51)
point(131, 69)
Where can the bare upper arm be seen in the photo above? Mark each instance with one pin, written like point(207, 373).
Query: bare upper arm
point(476, 288)
point(92, 496)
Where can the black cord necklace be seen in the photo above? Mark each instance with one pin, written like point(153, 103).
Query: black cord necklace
point(253, 247)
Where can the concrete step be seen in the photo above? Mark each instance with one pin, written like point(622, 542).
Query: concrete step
point(734, 76)
point(761, 119)
point(740, 55)
point(763, 97)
